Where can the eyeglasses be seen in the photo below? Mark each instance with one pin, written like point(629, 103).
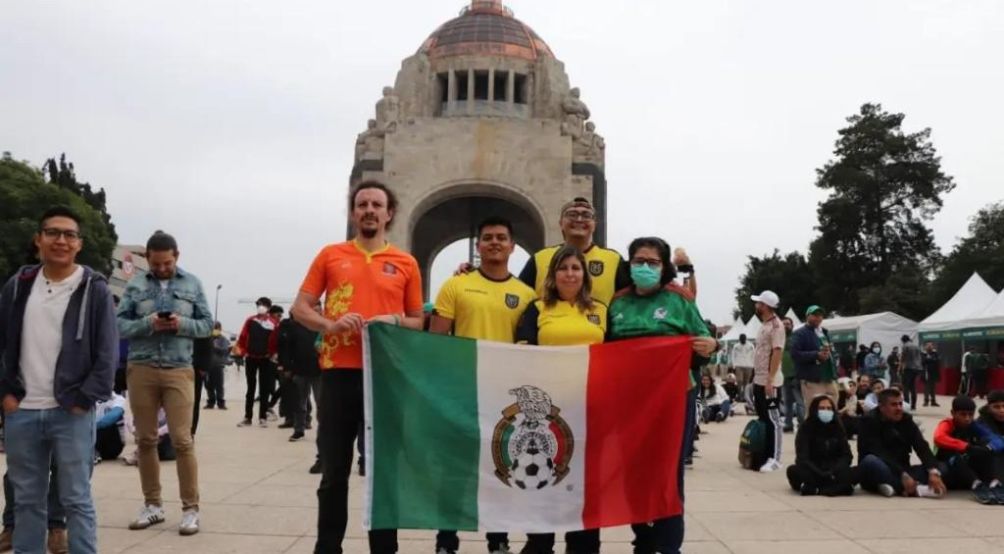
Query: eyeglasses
point(579, 216)
point(53, 234)
point(646, 261)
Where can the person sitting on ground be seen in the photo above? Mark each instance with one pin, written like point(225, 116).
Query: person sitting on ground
point(967, 449)
point(731, 387)
point(715, 402)
point(864, 386)
point(886, 439)
point(848, 406)
point(992, 417)
point(822, 454)
point(872, 400)
point(875, 364)
point(110, 428)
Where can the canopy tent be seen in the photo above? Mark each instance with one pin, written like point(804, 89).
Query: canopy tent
point(964, 310)
point(737, 329)
point(988, 324)
point(886, 328)
point(753, 328)
point(794, 318)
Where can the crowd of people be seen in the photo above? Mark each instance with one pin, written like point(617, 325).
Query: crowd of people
point(74, 357)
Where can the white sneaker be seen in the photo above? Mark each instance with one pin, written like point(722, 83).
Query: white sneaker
point(149, 515)
point(924, 491)
point(189, 523)
point(770, 466)
point(262, 423)
point(886, 490)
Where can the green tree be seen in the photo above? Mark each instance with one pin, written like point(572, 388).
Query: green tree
point(982, 251)
point(788, 275)
point(885, 185)
point(24, 197)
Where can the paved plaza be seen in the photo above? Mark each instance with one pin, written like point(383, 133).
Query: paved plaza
point(257, 497)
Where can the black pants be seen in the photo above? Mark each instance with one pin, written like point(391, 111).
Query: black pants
point(304, 386)
point(576, 542)
point(259, 370)
point(340, 415)
point(930, 383)
point(850, 424)
point(108, 442)
point(841, 483)
point(449, 541)
point(767, 411)
point(197, 405)
point(214, 387)
point(964, 469)
point(910, 387)
point(978, 384)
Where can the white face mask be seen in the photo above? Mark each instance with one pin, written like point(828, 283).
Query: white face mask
point(877, 350)
point(825, 416)
point(262, 310)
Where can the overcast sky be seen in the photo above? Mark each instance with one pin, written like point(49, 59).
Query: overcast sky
point(231, 124)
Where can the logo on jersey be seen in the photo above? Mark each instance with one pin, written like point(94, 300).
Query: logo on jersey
point(511, 301)
point(532, 444)
point(389, 269)
point(596, 268)
point(659, 313)
point(593, 318)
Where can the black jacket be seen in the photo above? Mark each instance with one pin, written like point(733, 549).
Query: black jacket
point(892, 441)
point(822, 447)
point(298, 349)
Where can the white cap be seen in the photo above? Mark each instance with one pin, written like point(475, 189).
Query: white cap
point(767, 297)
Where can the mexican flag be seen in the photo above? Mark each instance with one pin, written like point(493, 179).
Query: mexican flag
point(478, 435)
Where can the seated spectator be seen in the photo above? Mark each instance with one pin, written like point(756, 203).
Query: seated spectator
point(165, 449)
point(992, 417)
point(872, 400)
point(822, 455)
point(967, 450)
point(886, 438)
point(732, 388)
point(714, 401)
point(864, 386)
point(848, 406)
point(109, 440)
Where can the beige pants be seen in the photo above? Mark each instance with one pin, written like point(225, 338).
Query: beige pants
point(150, 389)
point(812, 390)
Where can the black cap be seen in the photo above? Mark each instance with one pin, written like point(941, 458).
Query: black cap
point(905, 338)
point(995, 396)
point(963, 404)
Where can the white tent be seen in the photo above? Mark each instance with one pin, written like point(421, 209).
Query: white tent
point(992, 316)
point(737, 329)
point(885, 327)
point(794, 318)
point(968, 304)
point(753, 328)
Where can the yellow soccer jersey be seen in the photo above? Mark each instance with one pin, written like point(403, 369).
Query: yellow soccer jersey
point(562, 324)
point(606, 267)
point(482, 308)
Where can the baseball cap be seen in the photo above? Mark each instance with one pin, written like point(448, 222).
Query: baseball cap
point(767, 297)
point(577, 202)
point(813, 309)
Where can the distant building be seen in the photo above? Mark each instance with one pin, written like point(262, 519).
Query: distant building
point(128, 260)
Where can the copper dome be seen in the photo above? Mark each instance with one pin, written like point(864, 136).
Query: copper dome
point(485, 27)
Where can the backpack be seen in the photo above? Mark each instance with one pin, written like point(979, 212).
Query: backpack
point(753, 445)
point(259, 336)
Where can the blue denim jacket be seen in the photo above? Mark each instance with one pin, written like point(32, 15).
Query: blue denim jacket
point(143, 297)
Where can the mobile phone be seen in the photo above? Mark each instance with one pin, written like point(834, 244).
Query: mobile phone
point(164, 315)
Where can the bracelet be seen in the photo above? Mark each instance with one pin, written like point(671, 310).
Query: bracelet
point(397, 320)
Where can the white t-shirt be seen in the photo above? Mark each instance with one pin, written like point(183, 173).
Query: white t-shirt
point(42, 338)
point(742, 354)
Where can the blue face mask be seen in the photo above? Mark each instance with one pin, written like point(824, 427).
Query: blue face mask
point(825, 416)
point(645, 276)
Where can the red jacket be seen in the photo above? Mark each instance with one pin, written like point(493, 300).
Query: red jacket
point(259, 324)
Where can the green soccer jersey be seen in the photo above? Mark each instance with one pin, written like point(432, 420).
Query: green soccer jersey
point(669, 312)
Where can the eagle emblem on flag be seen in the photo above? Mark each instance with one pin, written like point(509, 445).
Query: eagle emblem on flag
point(532, 444)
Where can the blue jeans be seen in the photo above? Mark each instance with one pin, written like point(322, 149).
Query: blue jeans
point(57, 518)
point(35, 438)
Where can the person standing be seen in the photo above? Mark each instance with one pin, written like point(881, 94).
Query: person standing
point(483, 304)
point(59, 349)
point(215, 394)
point(911, 364)
point(298, 356)
point(258, 345)
point(813, 354)
point(932, 374)
point(767, 375)
point(655, 306)
point(363, 280)
point(894, 362)
point(742, 360)
point(162, 312)
point(791, 390)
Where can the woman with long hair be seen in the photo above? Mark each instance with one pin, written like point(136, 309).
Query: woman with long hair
point(822, 454)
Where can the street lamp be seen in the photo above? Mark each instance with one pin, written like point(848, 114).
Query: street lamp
point(216, 309)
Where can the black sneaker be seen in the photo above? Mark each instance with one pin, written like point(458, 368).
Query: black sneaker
point(984, 495)
point(308, 426)
point(223, 406)
point(208, 407)
point(295, 437)
point(362, 470)
point(808, 490)
point(286, 425)
point(316, 468)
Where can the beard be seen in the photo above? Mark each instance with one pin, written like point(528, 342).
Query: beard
point(368, 233)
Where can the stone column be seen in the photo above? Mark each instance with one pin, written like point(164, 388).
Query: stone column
point(491, 85)
point(510, 91)
point(470, 92)
point(451, 92)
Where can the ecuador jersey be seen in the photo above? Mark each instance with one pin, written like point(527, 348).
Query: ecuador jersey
point(563, 324)
point(483, 308)
point(384, 282)
point(608, 270)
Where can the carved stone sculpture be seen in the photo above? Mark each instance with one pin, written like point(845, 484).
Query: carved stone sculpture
point(589, 145)
point(370, 143)
point(576, 114)
point(388, 111)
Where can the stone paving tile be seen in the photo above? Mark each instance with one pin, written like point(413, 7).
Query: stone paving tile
point(931, 546)
point(868, 524)
point(837, 546)
point(753, 526)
